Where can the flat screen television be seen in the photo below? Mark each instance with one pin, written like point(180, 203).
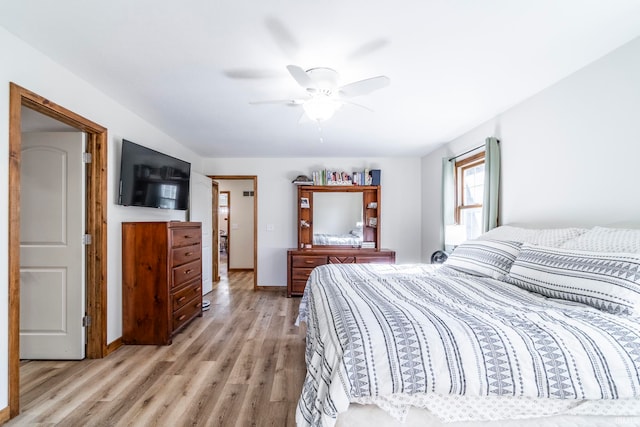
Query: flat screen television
point(152, 179)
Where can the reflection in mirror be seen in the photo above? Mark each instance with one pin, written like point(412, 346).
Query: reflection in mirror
point(337, 218)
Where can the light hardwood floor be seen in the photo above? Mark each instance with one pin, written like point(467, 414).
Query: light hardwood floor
point(241, 364)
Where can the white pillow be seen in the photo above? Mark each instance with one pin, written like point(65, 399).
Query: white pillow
point(484, 258)
point(601, 239)
point(553, 237)
point(608, 281)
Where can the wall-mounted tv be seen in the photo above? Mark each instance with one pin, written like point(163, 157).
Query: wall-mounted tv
point(152, 179)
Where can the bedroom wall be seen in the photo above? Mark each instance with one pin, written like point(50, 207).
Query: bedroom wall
point(569, 153)
point(400, 216)
point(36, 72)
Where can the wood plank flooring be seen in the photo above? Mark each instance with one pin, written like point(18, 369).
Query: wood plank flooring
point(241, 364)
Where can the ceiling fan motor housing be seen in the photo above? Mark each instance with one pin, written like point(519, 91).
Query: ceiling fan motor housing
point(325, 79)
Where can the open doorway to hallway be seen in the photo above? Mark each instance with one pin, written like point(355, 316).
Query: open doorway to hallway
point(238, 248)
point(224, 206)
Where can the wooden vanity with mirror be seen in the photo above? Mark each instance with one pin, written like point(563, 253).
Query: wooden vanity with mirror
point(336, 225)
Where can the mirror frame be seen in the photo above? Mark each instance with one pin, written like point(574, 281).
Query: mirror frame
point(370, 231)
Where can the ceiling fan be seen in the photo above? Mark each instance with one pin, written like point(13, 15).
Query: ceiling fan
point(326, 96)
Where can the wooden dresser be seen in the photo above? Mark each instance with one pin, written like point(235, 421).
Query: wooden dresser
point(161, 280)
point(300, 262)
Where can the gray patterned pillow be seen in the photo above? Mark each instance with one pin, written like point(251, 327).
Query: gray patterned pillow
point(554, 237)
point(485, 258)
point(602, 239)
point(608, 281)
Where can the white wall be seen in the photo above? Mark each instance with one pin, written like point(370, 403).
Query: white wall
point(30, 69)
point(400, 214)
point(240, 223)
point(569, 154)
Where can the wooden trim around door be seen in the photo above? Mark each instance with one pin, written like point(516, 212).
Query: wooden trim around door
point(96, 225)
point(215, 230)
point(254, 178)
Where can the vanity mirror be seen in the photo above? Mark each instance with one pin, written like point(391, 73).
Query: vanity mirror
point(337, 218)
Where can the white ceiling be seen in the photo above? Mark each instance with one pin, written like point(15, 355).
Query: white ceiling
point(453, 64)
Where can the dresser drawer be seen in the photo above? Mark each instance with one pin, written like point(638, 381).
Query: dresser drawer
point(182, 296)
point(297, 286)
point(380, 259)
point(185, 254)
point(185, 236)
point(187, 312)
point(186, 272)
point(308, 261)
point(342, 260)
point(301, 273)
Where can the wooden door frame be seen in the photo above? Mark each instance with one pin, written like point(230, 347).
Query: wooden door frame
point(253, 178)
point(96, 225)
point(215, 230)
point(228, 244)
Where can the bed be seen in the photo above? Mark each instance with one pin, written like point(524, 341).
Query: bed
point(516, 327)
point(347, 239)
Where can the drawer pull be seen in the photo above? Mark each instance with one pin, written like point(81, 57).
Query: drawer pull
point(182, 299)
point(188, 254)
point(189, 271)
point(182, 317)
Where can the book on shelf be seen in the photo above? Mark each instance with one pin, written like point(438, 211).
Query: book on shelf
point(332, 177)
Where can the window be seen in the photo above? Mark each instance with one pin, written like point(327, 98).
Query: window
point(469, 195)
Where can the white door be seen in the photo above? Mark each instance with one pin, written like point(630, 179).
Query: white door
point(200, 211)
point(52, 256)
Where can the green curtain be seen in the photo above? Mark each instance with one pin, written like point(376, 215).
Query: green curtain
point(491, 184)
point(448, 196)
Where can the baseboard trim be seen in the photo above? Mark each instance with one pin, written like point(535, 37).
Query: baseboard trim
point(113, 346)
point(5, 414)
point(271, 288)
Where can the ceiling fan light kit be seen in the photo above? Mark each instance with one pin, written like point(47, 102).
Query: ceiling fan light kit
point(325, 95)
point(321, 107)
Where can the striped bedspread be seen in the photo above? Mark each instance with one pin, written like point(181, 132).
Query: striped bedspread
point(334, 239)
point(379, 330)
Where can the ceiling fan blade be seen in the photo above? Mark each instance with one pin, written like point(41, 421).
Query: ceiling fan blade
point(252, 73)
point(363, 87)
point(282, 36)
point(290, 102)
point(300, 76)
point(367, 48)
point(344, 101)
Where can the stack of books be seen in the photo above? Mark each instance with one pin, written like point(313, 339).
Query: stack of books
point(302, 180)
point(331, 177)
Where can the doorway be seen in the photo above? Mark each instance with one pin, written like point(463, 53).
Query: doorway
point(95, 226)
point(224, 210)
point(235, 228)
